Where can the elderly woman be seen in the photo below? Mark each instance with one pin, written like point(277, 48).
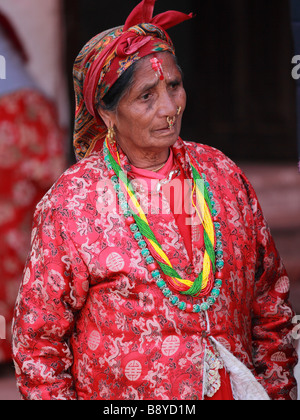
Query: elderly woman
point(133, 289)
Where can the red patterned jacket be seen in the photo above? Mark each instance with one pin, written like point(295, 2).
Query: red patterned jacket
point(90, 322)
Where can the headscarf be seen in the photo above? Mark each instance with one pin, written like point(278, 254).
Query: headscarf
point(106, 57)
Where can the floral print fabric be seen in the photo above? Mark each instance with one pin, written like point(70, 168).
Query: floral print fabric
point(91, 323)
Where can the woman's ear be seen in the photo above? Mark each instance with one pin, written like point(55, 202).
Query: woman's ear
point(107, 116)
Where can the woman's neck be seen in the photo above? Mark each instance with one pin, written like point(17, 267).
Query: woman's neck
point(149, 161)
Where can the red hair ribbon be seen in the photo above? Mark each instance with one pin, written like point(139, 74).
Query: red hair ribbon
point(143, 13)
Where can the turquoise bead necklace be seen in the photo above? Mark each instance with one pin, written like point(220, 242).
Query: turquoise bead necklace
point(149, 260)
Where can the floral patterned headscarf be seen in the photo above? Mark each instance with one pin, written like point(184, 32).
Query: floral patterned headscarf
point(106, 57)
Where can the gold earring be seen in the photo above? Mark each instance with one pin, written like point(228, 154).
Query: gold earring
point(111, 135)
point(179, 110)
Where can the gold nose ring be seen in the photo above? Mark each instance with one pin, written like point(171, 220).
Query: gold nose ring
point(171, 122)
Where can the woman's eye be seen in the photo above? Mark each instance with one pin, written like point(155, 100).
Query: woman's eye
point(174, 85)
point(146, 96)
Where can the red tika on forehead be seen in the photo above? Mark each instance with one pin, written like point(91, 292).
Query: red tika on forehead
point(157, 67)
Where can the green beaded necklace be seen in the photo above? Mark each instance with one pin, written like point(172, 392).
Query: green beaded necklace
point(137, 228)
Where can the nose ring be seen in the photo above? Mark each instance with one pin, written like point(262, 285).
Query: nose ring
point(171, 122)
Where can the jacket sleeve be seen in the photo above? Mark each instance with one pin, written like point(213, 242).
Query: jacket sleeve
point(274, 354)
point(53, 290)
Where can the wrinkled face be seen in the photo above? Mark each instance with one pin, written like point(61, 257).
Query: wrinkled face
point(140, 120)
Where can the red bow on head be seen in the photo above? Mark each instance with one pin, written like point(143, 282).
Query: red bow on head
point(143, 13)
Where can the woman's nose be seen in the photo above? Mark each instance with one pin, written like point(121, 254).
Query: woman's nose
point(168, 106)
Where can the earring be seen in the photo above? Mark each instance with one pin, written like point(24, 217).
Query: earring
point(111, 135)
point(179, 110)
